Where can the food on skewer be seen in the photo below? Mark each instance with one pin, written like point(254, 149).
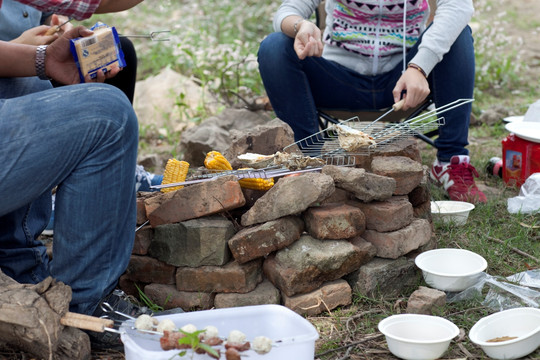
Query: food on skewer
point(261, 345)
point(296, 161)
point(166, 324)
point(210, 336)
point(237, 340)
point(145, 322)
point(232, 354)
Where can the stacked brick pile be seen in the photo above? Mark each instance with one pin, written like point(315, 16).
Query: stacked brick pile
point(308, 243)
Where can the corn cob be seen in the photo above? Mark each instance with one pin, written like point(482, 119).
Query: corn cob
point(175, 172)
point(215, 161)
point(256, 183)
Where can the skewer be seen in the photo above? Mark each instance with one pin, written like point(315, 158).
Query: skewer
point(55, 29)
point(154, 35)
point(86, 322)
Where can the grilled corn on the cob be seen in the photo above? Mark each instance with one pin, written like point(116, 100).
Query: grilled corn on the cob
point(175, 172)
point(215, 161)
point(256, 183)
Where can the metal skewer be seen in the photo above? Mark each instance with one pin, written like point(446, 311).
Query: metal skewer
point(57, 28)
point(154, 35)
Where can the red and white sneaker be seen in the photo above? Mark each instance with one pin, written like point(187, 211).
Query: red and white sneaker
point(457, 178)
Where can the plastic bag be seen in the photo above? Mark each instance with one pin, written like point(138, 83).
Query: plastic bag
point(528, 200)
point(518, 290)
point(533, 112)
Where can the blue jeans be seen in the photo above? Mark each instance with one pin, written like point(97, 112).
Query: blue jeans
point(83, 139)
point(297, 88)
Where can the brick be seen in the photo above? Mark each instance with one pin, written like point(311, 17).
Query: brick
point(195, 201)
point(264, 293)
point(339, 196)
point(407, 173)
point(328, 297)
point(384, 277)
point(423, 211)
point(141, 211)
point(334, 221)
point(233, 277)
point(143, 238)
point(147, 270)
point(394, 244)
point(168, 297)
point(258, 241)
point(194, 242)
point(384, 216)
point(425, 300)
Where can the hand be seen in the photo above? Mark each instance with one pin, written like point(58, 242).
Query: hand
point(416, 85)
point(59, 63)
point(36, 36)
point(56, 20)
point(308, 40)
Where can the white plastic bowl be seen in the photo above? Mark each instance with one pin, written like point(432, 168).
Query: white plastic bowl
point(451, 269)
point(523, 323)
point(455, 212)
point(418, 337)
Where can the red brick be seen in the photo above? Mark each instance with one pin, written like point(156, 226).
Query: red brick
point(334, 221)
point(168, 297)
point(233, 277)
point(194, 201)
point(149, 270)
point(143, 238)
point(389, 215)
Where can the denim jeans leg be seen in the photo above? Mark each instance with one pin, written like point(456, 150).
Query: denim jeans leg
point(82, 138)
point(450, 80)
point(297, 88)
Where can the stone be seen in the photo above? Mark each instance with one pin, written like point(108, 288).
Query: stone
point(422, 192)
point(193, 243)
point(264, 293)
point(216, 132)
point(230, 278)
point(334, 221)
point(328, 297)
point(389, 215)
point(339, 196)
point(285, 197)
point(264, 139)
point(143, 238)
point(423, 211)
point(407, 173)
point(168, 297)
point(146, 269)
point(308, 263)
point(260, 240)
point(425, 300)
point(365, 186)
point(384, 277)
point(195, 201)
point(392, 245)
point(141, 211)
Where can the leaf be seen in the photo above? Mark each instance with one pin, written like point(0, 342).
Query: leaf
point(210, 350)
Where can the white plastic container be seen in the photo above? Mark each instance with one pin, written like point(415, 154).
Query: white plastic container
point(451, 269)
point(293, 336)
point(418, 337)
point(455, 212)
point(522, 323)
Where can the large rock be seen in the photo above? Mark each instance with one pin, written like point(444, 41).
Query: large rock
point(215, 133)
point(266, 139)
point(156, 98)
point(308, 263)
point(290, 196)
point(365, 186)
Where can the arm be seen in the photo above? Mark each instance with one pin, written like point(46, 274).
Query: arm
point(290, 19)
point(81, 9)
point(19, 60)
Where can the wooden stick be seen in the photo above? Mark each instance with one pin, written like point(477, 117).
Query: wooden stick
point(86, 322)
point(516, 250)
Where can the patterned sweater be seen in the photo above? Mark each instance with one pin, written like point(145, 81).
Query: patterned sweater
point(367, 35)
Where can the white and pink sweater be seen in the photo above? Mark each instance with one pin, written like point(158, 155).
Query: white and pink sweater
point(367, 35)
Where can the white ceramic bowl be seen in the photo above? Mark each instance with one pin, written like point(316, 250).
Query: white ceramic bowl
point(451, 269)
point(455, 212)
point(418, 337)
point(522, 323)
